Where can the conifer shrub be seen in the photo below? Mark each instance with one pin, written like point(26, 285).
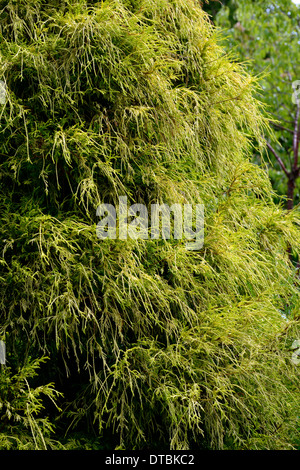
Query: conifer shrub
point(149, 345)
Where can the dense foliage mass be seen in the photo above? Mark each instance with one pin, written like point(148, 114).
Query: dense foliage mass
point(138, 343)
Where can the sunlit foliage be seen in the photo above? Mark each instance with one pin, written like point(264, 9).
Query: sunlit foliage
point(152, 346)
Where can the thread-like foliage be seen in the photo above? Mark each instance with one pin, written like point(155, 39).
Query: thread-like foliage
point(152, 345)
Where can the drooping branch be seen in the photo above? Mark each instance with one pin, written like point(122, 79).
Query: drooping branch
point(278, 159)
point(279, 126)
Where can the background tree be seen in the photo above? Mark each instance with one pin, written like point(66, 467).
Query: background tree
point(152, 346)
point(266, 35)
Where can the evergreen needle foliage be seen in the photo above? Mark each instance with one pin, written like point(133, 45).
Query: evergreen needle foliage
point(151, 345)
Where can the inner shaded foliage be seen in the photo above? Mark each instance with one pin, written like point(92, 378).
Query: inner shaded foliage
point(149, 345)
